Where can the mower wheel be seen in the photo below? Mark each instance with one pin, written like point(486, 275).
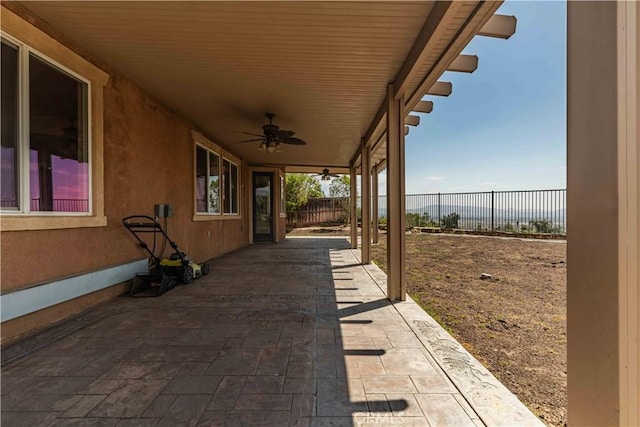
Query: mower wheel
point(186, 275)
point(205, 268)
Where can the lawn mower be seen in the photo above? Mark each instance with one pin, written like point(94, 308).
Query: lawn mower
point(163, 272)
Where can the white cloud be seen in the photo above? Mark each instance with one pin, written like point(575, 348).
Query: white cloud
point(487, 184)
point(435, 178)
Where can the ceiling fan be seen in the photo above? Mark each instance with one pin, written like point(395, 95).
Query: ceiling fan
point(272, 136)
point(326, 176)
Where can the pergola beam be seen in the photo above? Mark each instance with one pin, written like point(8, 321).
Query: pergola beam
point(378, 143)
point(423, 107)
point(406, 130)
point(412, 120)
point(499, 26)
point(440, 89)
point(464, 64)
point(440, 17)
point(482, 12)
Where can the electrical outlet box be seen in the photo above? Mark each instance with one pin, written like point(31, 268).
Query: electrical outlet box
point(163, 211)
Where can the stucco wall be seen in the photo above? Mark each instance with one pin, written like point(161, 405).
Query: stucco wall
point(148, 159)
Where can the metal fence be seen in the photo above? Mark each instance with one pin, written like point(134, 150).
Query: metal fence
point(528, 211)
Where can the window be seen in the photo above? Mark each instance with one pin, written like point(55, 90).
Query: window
point(45, 135)
point(217, 180)
point(51, 142)
point(230, 184)
point(214, 183)
point(283, 198)
point(207, 181)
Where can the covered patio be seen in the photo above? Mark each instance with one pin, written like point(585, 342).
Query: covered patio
point(306, 329)
point(298, 333)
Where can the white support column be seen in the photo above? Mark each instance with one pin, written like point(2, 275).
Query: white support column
point(366, 203)
point(603, 192)
point(396, 287)
point(353, 200)
point(374, 208)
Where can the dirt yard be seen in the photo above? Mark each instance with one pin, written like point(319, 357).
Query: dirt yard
point(332, 230)
point(514, 322)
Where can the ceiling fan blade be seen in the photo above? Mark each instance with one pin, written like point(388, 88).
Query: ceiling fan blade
point(253, 134)
point(250, 140)
point(294, 141)
point(283, 133)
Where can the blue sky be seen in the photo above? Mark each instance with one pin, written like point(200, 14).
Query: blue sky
point(504, 125)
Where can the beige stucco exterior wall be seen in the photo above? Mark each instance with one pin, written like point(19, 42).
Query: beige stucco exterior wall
point(148, 156)
point(602, 239)
point(148, 159)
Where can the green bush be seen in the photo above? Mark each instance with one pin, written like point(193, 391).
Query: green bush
point(450, 221)
point(419, 220)
point(544, 226)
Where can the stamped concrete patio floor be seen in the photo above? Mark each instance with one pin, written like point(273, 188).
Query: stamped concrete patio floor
point(296, 333)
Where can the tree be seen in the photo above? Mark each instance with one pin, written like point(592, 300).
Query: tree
point(340, 188)
point(299, 188)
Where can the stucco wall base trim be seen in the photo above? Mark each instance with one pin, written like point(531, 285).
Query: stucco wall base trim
point(29, 300)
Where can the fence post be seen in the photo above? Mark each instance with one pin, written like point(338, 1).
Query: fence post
point(439, 216)
point(493, 211)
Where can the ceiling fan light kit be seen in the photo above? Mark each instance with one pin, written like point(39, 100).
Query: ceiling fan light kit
point(272, 148)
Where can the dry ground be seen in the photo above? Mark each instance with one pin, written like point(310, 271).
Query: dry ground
point(514, 323)
point(331, 230)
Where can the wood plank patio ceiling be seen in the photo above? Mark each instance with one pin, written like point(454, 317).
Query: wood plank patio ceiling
point(322, 67)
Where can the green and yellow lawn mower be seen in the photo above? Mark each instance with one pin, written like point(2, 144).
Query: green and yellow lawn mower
point(163, 272)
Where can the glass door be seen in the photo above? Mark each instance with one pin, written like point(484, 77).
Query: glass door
point(263, 207)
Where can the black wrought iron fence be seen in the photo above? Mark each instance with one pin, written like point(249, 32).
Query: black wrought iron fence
point(526, 211)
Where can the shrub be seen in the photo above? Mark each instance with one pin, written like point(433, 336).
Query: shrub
point(541, 226)
point(450, 221)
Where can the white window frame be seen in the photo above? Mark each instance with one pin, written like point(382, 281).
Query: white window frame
point(24, 127)
point(209, 146)
point(224, 186)
point(220, 186)
point(20, 32)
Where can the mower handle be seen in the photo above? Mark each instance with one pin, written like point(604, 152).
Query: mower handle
point(140, 221)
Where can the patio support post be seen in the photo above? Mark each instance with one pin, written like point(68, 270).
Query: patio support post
point(396, 287)
point(603, 213)
point(353, 201)
point(366, 203)
point(374, 208)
